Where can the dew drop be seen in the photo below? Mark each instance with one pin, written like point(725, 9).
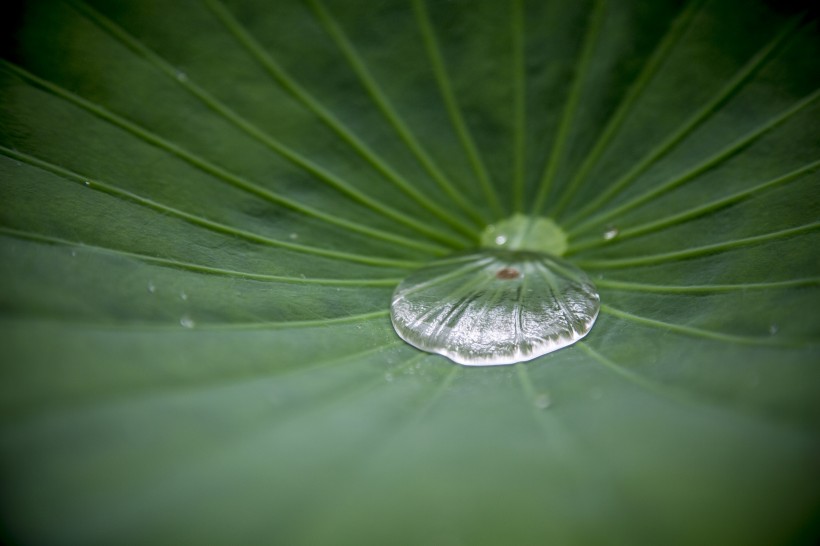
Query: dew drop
point(186, 321)
point(151, 287)
point(388, 377)
point(773, 329)
point(182, 76)
point(73, 253)
point(610, 233)
point(87, 183)
point(495, 306)
point(293, 236)
point(500, 240)
point(183, 296)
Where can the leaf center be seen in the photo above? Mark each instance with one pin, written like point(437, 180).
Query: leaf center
point(521, 232)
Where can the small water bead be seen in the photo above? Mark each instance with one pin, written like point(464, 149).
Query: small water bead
point(495, 307)
point(183, 296)
point(186, 321)
point(507, 273)
point(610, 233)
point(151, 287)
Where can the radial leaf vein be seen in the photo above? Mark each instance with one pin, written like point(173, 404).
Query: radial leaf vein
point(652, 259)
point(261, 136)
point(519, 144)
point(288, 324)
point(111, 397)
point(133, 326)
point(193, 267)
point(721, 156)
point(254, 430)
point(698, 332)
point(453, 109)
point(388, 110)
point(635, 378)
point(214, 170)
point(676, 30)
point(723, 95)
point(704, 288)
point(694, 212)
point(297, 91)
point(96, 185)
point(573, 99)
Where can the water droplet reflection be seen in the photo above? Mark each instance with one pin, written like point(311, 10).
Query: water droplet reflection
point(495, 307)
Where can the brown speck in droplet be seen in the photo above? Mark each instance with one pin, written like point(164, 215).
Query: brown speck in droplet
point(507, 273)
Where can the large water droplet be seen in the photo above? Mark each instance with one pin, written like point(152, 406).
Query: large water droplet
point(495, 306)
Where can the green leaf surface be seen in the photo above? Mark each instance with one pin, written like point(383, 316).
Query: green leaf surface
point(206, 207)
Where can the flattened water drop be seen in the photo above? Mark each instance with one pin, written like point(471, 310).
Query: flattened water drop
point(494, 306)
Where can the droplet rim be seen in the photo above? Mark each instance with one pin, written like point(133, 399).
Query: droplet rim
point(532, 349)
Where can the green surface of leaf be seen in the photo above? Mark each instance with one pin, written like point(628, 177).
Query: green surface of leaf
point(206, 207)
